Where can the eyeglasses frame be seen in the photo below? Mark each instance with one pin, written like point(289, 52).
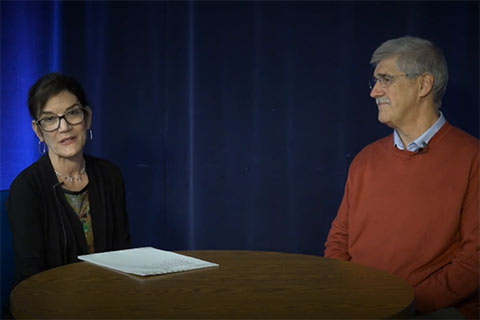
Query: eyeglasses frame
point(82, 108)
point(373, 81)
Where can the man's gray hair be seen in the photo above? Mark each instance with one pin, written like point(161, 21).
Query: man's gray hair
point(415, 57)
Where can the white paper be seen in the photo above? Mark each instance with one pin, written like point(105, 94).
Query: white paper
point(146, 261)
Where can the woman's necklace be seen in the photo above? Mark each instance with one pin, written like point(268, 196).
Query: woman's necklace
point(70, 178)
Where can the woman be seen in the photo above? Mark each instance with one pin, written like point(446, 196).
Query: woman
point(67, 203)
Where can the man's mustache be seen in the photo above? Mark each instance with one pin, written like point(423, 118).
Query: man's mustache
point(382, 100)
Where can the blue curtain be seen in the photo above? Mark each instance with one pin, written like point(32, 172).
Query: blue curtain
point(234, 122)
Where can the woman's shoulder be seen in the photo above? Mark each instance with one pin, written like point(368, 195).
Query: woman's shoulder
point(29, 175)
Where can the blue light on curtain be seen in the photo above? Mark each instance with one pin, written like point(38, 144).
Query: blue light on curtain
point(30, 33)
point(55, 62)
point(96, 28)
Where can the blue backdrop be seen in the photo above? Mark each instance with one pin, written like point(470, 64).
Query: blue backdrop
point(234, 122)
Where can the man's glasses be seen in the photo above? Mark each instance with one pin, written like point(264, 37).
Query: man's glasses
point(72, 117)
point(384, 79)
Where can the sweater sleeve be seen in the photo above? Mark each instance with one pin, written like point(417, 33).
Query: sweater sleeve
point(336, 246)
point(459, 279)
point(26, 224)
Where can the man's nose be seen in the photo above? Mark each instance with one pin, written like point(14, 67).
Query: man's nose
point(377, 90)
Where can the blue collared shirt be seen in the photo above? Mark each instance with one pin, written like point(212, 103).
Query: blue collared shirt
point(421, 141)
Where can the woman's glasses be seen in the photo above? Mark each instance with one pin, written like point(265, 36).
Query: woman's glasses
point(72, 117)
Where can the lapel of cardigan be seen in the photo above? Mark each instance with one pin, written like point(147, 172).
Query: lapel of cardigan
point(72, 225)
point(47, 170)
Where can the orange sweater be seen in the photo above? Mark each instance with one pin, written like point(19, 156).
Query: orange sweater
point(416, 215)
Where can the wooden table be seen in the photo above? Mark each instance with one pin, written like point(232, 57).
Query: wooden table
point(248, 284)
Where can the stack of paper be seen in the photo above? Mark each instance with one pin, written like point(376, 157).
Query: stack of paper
point(146, 261)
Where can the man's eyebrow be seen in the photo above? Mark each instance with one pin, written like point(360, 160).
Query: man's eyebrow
point(76, 104)
point(383, 75)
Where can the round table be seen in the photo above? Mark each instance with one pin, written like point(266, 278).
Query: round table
point(247, 284)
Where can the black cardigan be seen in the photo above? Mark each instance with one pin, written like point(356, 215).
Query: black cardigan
point(47, 233)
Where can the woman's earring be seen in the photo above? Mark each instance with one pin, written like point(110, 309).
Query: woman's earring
point(91, 134)
point(42, 147)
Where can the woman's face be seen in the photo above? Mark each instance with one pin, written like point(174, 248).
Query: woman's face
point(69, 139)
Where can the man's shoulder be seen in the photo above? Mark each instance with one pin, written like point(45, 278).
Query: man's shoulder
point(371, 154)
point(462, 138)
point(380, 143)
point(372, 149)
point(452, 140)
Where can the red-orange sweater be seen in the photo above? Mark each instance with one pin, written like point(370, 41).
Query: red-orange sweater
point(416, 215)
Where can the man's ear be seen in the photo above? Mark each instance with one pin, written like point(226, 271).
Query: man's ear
point(37, 130)
point(426, 82)
point(89, 117)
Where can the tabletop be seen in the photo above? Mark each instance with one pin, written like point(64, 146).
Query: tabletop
point(247, 285)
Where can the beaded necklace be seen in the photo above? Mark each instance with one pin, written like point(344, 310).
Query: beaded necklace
point(70, 178)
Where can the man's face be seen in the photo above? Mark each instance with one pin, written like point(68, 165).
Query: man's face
point(395, 94)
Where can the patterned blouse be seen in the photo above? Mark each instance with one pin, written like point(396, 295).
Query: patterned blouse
point(81, 205)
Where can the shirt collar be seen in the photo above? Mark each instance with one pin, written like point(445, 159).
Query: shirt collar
point(421, 141)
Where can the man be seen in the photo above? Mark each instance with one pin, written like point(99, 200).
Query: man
point(411, 202)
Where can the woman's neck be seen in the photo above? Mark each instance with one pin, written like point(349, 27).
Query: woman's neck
point(70, 171)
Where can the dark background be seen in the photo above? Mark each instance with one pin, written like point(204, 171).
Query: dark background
point(234, 123)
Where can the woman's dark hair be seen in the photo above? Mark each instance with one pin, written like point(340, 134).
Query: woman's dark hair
point(49, 86)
